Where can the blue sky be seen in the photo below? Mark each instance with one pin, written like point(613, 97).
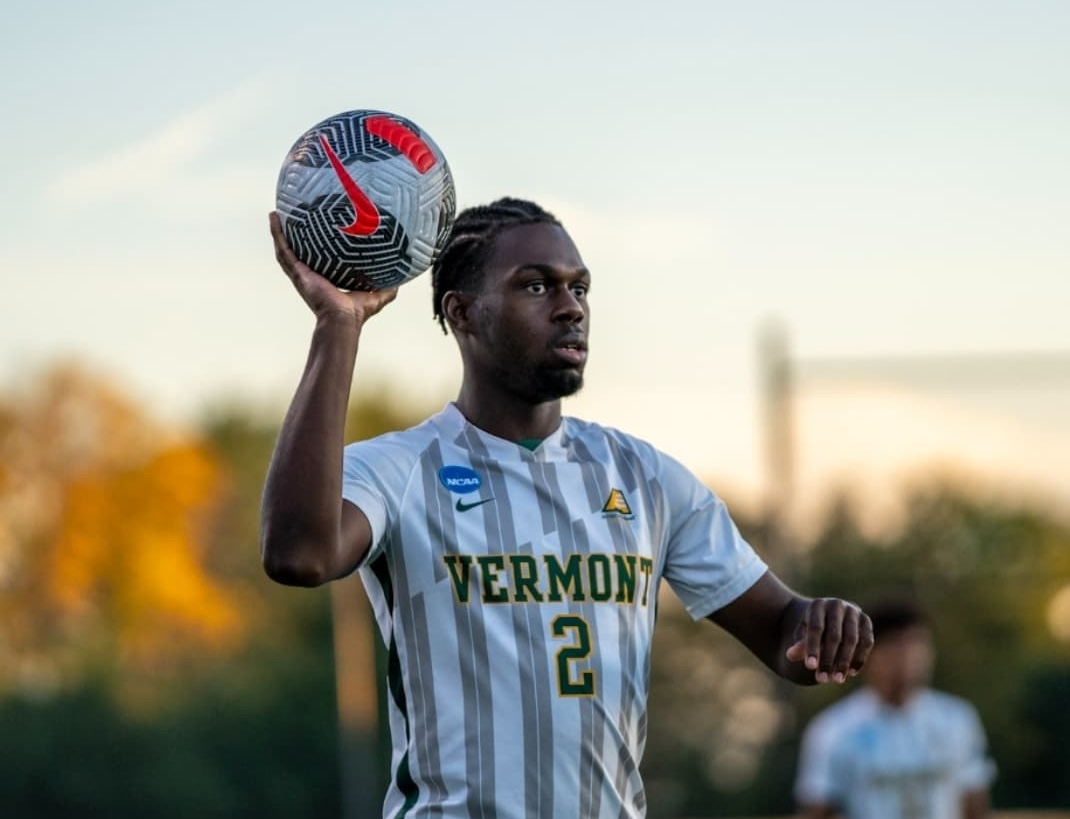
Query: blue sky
point(882, 178)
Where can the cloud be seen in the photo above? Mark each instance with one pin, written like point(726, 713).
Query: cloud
point(161, 168)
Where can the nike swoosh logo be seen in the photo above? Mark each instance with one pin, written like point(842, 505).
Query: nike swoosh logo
point(365, 214)
point(464, 507)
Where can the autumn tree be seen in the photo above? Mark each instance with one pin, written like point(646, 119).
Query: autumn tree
point(104, 517)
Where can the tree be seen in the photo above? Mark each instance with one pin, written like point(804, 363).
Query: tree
point(103, 537)
point(987, 571)
point(723, 739)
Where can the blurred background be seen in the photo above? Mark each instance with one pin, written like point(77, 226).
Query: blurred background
point(830, 264)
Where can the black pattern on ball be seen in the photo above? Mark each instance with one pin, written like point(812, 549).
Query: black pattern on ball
point(404, 175)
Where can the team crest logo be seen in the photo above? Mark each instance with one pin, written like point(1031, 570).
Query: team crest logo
point(616, 506)
point(460, 479)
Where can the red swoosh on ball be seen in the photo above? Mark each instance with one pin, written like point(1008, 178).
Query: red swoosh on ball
point(403, 138)
point(365, 214)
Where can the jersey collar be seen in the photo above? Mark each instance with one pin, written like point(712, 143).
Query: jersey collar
point(458, 429)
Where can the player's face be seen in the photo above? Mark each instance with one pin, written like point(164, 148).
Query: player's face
point(533, 313)
point(900, 664)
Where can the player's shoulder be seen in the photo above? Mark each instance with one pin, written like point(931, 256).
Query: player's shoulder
point(945, 703)
point(598, 436)
point(589, 440)
point(855, 708)
point(403, 446)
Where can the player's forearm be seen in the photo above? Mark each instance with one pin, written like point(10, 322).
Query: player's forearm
point(975, 804)
point(819, 811)
point(302, 501)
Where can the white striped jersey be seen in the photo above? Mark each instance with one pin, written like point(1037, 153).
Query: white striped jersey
point(516, 591)
point(876, 761)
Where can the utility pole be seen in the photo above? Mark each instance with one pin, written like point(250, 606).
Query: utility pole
point(775, 368)
point(780, 374)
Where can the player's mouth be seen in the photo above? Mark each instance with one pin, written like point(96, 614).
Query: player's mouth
point(573, 349)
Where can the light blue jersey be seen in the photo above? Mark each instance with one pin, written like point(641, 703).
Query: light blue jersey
point(875, 761)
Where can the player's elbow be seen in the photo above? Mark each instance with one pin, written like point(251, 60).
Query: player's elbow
point(292, 573)
point(295, 562)
point(286, 570)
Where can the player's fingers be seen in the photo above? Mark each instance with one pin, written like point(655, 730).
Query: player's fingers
point(848, 642)
point(282, 248)
point(314, 289)
point(831, 638)
point(283, 254)
point(813, 625)
point(796, 651)
point(864, 644)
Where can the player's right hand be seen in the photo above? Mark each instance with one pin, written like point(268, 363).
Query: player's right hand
point(319, 293)
point(833, 638)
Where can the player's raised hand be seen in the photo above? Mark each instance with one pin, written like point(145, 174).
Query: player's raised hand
point(320, 294)
point(833, 639)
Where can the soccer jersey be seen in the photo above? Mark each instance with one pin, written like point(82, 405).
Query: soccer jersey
point(516, 592)
point(879, 762)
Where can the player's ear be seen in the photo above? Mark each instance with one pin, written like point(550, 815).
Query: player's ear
point(457, 308)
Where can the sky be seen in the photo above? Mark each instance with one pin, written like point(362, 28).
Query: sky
point(878, 179)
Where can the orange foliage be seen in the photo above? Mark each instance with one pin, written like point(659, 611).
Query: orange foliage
point(104, 516)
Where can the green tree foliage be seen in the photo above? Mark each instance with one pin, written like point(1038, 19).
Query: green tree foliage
point(1037, 774)
point(248, 725)
point(250, 737)
point(987, 571)
point(236, 728)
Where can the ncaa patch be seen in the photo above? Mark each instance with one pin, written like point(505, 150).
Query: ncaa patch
point(460, 479)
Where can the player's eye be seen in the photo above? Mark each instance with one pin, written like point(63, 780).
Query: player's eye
point(537, 288)
point(580, 290)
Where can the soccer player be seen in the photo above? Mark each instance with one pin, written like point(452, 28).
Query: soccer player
point(513, 555)
point(895, 749)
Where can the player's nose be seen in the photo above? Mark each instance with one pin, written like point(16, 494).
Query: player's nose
point(568, 307)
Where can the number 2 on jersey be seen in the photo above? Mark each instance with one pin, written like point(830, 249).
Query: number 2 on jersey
point(578, 649)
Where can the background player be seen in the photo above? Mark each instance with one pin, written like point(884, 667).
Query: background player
point(512, 555)
point(895, 749)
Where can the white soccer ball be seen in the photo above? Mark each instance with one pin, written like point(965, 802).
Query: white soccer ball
point(366, 199)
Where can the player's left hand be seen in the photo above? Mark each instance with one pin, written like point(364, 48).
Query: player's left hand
point(833, 639)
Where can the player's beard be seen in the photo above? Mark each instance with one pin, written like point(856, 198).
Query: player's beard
point(540, 384)
point(537, 382)
point(550, 385)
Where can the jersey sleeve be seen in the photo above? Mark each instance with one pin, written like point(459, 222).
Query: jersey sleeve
point(976, 770)
point(708, 563)
point(374, 474)
point(816, 780)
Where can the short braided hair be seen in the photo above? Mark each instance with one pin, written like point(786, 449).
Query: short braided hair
point(460, 264)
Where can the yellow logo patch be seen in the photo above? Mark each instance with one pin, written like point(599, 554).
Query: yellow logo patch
point(617, 504)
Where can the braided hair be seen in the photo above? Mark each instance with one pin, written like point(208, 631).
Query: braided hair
point(460, 264)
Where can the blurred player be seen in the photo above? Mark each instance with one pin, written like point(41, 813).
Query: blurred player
point(895, 749)
point(513, 556)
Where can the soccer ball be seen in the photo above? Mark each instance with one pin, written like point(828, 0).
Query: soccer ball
point(366, 199)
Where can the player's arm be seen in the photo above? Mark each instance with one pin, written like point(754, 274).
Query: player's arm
point(803, 640)
point(308, 534)
point(975, 804)
point(820, 781)
point(976, 770)
point(819, 811)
